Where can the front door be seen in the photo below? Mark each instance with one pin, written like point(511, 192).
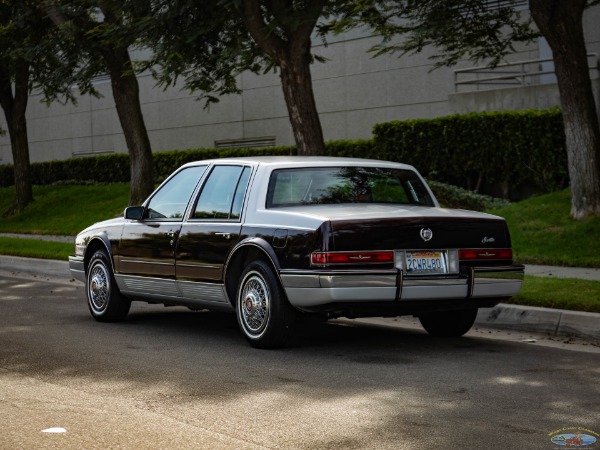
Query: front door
point(146, 253)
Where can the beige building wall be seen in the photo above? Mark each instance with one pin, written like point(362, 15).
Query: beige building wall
point(353, 91)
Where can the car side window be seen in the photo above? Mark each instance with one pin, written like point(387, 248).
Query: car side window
point(223, 193)
point(172, 198)
point(238, 198)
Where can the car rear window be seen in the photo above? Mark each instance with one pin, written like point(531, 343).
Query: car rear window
point(333, 185)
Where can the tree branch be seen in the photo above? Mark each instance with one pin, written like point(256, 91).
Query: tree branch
point(253, 19)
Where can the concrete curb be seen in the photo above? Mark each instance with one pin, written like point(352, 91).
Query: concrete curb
point(555, 322)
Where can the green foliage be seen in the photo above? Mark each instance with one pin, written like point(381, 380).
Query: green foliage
point(457, 29)
point(115, 168)
point(508, 149)
point(99, 169)
point(360, 148)
point(455, 197)
point(202, 45)
point(206, 45)
point(94, 37)
point(28, 37)
point(165, 163)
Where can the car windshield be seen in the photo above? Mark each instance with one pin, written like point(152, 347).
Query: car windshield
point(332, 185)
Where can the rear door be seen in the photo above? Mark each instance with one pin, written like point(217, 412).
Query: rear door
point(212, 230)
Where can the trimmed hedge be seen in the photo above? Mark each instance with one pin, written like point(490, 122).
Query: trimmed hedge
point(115, 168)
point(165, 163)
point(509, 154)
point(360, 148)
point(99, 169)
point(503, 152)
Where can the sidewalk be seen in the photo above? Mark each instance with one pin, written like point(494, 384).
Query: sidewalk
point(40, 237)
point(554, 322)
point(563, 272)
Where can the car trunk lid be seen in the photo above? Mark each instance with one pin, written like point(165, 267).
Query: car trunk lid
point(419, 232)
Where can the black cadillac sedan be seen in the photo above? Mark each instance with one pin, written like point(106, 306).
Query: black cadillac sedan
point(275, 238)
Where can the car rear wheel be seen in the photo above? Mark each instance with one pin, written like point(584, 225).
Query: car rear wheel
point(263, 312)
point(105, 301)
point(449, 323)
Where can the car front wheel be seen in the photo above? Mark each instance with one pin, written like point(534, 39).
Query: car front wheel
point(105, 301)
point(263, 312)
point(448, 323)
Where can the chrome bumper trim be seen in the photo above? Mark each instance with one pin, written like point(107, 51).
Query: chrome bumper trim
point(496, 281)
point(306, 297)
point(77, 267)
point(312, 289)
point(305, 289)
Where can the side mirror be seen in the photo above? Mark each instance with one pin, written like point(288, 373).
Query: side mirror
point(134, 212)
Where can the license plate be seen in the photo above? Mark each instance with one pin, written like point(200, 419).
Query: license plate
point(426, 262)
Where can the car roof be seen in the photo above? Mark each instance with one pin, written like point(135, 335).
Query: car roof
point(304, 161)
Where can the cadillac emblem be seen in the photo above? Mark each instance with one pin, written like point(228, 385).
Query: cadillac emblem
point(426, 234)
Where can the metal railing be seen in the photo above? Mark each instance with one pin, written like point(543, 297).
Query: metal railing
point(519, 73)
point(264, 141)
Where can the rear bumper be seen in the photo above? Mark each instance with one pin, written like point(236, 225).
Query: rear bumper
point(307, 290)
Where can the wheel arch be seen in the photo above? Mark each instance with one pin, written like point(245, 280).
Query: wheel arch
point(96, 243)
point(245, 252)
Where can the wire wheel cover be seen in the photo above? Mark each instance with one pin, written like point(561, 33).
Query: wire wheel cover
point(255, 304)
point(99, 287)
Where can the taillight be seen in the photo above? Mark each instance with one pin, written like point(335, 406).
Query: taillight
point(326, 258)
point(474, 254)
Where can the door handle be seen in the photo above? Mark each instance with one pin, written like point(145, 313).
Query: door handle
point(225, 235)
point(172, 234)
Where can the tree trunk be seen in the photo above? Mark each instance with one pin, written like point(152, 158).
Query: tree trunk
point(296, 81)
point(291, 53)
point(560, 21)
point(125, 90)
point(14, 110)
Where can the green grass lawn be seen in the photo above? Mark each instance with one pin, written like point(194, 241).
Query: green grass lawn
point(35, 249)
point(64, 209)
point(560, 293)
point(543, 232)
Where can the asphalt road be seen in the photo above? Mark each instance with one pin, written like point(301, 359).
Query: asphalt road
point(169, 378)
